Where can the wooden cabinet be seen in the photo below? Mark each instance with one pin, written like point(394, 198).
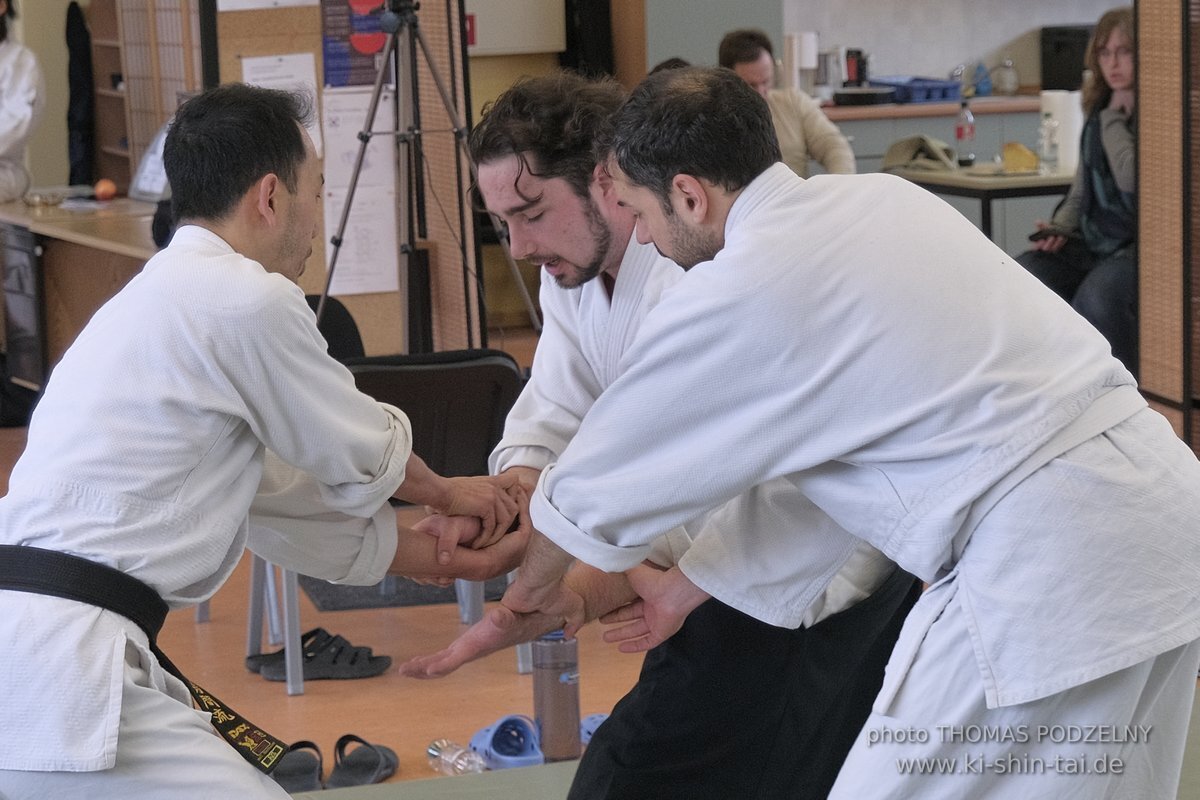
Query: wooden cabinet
point(144, 57)
point(25, 329)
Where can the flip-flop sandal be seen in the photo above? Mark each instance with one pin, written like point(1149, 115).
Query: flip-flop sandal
point(256, 662)
point(298, 769)
point(366, 764)
point(588, 727)
point(511, 742)
point(329, 657)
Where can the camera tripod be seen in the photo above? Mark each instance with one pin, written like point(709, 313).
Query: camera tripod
point(397, 17)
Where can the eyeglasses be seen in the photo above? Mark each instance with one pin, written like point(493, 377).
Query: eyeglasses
point(1120, 52)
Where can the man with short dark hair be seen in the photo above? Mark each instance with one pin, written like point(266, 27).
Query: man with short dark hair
point(730, 706)
point(198, 413)
point(856, 337)
point(803, 130)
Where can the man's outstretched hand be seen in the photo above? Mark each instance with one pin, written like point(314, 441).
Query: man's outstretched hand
point(499, 628)
point(666, 598)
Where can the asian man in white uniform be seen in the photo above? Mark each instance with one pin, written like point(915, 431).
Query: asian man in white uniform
point(197, 413)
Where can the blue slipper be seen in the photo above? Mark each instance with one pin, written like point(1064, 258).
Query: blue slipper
point(511, 742)
point(589, 725)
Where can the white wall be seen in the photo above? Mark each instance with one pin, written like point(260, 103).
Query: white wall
point(692, 29)
point(43, 30)
point(904, 37)
point(929, 37)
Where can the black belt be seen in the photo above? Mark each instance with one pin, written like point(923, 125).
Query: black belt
point(33, 569)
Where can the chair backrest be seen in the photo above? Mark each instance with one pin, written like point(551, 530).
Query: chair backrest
point(456, 400)
point(338, 327)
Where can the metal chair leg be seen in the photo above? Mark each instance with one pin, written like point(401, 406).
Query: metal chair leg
point(275, 632)
point(470, 600)
point(524, 649)
point(254, 622)
point(293, 658)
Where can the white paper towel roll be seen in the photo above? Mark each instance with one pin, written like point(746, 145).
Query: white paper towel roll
point(790, 79)
point(799, 60)
point(807, 58)
point(1067, 108)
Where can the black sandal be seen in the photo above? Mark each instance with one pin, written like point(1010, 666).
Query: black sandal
point(366, 764)
point(299, 769)
point(326, 657)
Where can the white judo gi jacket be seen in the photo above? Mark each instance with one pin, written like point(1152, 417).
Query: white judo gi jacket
point(580, 352)
point(861, 339)
point(22, 98)
point(146, 453)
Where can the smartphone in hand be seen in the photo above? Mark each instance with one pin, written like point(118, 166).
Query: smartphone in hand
point(1046, 233)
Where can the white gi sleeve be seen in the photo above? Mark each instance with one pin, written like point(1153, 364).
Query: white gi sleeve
point(291, 526)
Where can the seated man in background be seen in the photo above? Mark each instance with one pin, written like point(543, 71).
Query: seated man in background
point(730, 706)
point(803, 130)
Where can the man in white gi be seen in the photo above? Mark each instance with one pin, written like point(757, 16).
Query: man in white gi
point(21, 103)
point(144, 477)
point(697, 722)
point(857, 337)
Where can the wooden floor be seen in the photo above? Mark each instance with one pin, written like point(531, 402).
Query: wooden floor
point(402, 713)
point(399, 712)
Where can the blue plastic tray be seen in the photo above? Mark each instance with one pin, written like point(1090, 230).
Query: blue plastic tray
point(920, 90)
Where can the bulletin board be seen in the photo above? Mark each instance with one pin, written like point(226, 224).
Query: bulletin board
point(454, 289)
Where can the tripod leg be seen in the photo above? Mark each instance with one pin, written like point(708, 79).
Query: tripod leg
point(458, 124)
point(364, 139)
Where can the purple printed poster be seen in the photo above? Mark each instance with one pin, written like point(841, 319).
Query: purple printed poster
point(352, 41)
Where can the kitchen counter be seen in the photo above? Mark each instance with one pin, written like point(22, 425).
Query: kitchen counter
point(60, 265)
point(872, 129)
point(120, 226)
point(980, 106)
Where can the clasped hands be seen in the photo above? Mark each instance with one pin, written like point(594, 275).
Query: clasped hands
point(479, 513)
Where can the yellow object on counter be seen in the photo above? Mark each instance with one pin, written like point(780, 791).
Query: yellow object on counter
point(1019, 158)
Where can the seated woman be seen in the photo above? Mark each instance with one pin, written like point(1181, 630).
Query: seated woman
point(1088, 251)
point(21, 101)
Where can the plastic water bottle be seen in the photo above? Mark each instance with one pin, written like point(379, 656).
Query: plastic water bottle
point(451, 758)
point(964, 135)
point(556, 695)
point(1048, 145)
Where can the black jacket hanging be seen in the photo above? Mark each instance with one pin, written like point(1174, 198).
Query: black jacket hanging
point(81, 112)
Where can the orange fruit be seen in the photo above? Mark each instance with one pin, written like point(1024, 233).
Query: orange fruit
point(104, 189)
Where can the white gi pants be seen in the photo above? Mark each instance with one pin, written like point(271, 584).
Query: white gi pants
point(1119, 736)
point(165, 750)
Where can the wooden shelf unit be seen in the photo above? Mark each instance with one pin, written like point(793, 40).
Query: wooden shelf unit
point(144, 56)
